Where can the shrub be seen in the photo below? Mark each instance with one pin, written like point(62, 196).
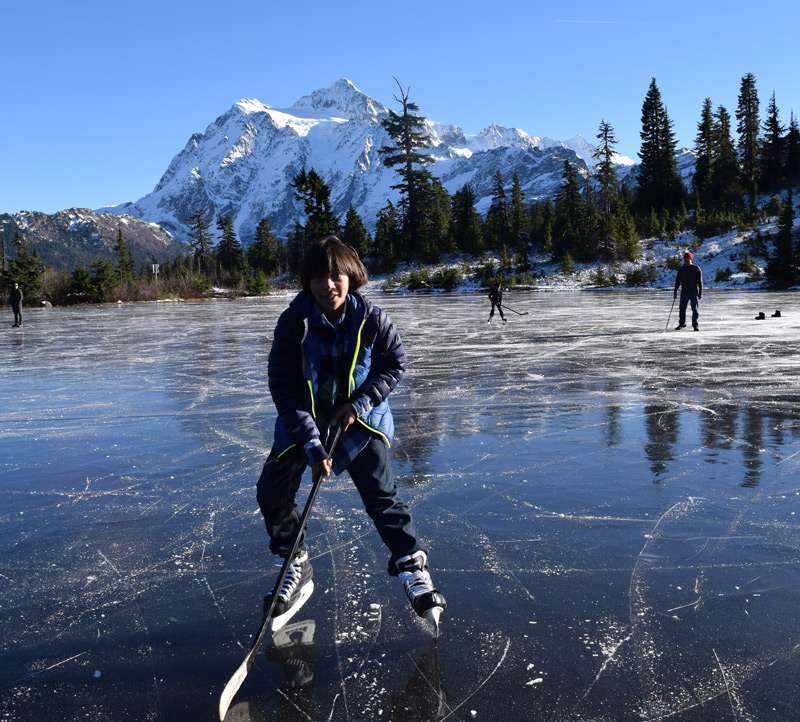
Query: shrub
point(641, 276)
point(747, 265)
point(418, 279)
point(600, 277)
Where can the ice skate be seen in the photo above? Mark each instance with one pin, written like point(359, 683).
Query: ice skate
point(295, 591)
point(428, 602)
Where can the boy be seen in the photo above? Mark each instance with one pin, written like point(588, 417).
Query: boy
point(334, 359)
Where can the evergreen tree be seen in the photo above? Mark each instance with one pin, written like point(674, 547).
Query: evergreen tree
point(748, 129)
point(569, 237)
point(498, 222)
point(263, 255)
point(229, 252)
point(25, 268)
point(3, 258)
point(591, 223)
point(200, 240)
point(792, 166)
point(409, 135)
point(726, 189)
point(354, 233)
point(104, 279)
point(467, 222)
point(542, 221)
point(608, 187)
point(125, 267)
point(624, 237)
point(387, 237)
point(438, 229)
point(772, 150)
point(316, 197)
point(782, 269)
point(518, 216)
point(295, 248)
point(658, 183)
point(704, 156)
point(80, 282)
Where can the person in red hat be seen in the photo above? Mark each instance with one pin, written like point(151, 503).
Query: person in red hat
point(690, 281)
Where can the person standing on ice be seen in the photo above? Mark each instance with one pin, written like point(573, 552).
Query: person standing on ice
point(690, 280)
point(335, 358)
point(15, 299)
point(496, 297)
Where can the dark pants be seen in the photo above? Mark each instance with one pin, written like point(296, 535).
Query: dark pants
point(499, 308)
point(17, 315)
point(371, 471)
point(686, 298)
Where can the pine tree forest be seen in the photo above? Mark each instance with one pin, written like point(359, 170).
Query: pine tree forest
point(746, 167)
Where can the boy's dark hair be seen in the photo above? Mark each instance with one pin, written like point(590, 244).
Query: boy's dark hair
point(329, 256)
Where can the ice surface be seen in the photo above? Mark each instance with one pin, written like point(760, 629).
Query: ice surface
point(612, 512)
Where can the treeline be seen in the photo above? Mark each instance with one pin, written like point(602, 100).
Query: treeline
point(592, 218)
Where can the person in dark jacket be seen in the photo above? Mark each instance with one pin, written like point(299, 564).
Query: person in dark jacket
point(15, 299)
point(496, 297)
point(690, 280)
point(335, 358)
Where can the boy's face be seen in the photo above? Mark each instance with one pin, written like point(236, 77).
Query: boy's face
point(330, 292)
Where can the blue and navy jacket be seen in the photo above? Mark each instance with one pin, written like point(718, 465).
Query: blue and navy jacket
point(375, 359)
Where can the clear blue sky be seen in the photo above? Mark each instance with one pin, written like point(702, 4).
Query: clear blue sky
point(98, 96)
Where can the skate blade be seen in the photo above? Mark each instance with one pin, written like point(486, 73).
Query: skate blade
point(432, 617)
point(278, 622)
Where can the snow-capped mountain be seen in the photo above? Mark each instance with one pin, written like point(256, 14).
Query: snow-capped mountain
point(244, 162)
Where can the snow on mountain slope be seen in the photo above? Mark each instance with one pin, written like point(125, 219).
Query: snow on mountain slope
point(244, 162)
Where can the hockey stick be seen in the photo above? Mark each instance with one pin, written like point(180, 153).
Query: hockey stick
point(519, 313)
point(236, 681)
point(670, 313)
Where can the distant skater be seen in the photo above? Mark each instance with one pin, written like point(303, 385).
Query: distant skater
point(496, 297)
point(15, 299)
point(690, 280)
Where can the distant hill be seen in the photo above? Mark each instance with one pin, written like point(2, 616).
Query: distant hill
point(78, 236)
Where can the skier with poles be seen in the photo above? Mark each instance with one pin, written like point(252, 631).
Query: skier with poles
point(496, 297)
point(690, 280)
point(334, 360)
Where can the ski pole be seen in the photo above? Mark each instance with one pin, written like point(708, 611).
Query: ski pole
point(519, 313)
point(670, 313)
point(238, 677)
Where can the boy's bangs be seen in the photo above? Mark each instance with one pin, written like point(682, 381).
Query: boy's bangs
point(332, 257)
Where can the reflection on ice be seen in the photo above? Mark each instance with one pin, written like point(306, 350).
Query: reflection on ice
point(612, 512)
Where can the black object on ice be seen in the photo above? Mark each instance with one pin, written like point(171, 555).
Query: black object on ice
point(238, 677)
point(519, 313)
point(760, 316)
point(777, 314)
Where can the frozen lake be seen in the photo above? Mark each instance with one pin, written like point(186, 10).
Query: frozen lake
point(613, 513)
